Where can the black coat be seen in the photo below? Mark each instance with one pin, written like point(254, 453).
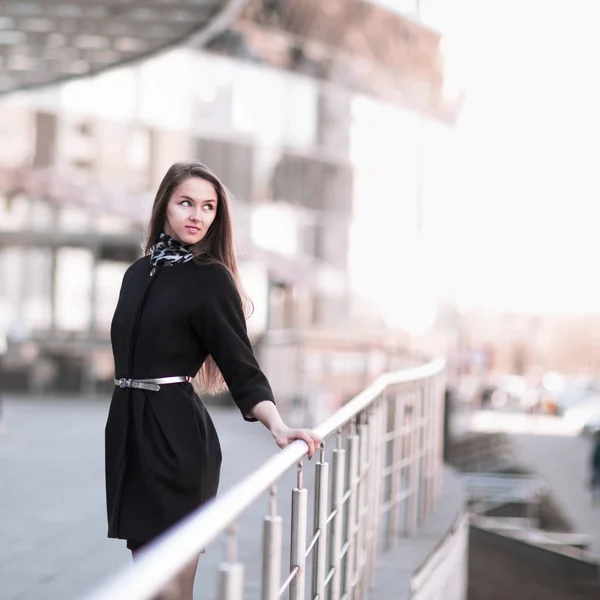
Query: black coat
point(163, 456)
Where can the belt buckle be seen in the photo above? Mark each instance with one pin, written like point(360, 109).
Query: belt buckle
point(124, 383)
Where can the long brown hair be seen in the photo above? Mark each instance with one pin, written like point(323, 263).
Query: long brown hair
point(216, 246)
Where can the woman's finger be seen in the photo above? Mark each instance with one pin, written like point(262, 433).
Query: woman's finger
point(315, 439)
point(303, 435)
point(312, 439)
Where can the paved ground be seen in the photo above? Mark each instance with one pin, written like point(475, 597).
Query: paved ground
point(53, 541)
point(553, 450)
point(52, 510)
point(52, 513)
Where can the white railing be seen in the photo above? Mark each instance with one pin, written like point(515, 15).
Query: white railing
point(386, 468)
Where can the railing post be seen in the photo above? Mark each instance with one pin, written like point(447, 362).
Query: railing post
point(231, 572)
point(418, 457)
point(434, 472)
point(298, 539)
point(337, 523)
point(353, 450)
point(426, 445)
point(425, 453)
point(362, 506)
point(370, 504)
point(422, 456)
point(379, 483)
point(272, 537)
point(440, 407)
point(320, 524)
point(413, 473)
point(369, 509)
point(374, 501)
point(396, 474)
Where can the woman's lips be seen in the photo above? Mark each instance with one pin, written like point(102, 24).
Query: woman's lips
point(192, 229)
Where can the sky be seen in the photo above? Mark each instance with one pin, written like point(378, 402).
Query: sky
point(518, 197)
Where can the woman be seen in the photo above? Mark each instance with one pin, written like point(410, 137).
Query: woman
point(179, 314)
point(595, 468)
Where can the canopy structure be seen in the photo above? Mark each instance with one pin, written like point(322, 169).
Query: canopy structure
point(357, 44)
point(44, 42)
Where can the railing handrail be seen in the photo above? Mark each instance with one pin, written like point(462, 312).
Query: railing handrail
point(159, 564)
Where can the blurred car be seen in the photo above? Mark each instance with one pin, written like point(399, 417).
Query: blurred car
point(577, 392)
point(508, 390)
point(584, 417)
point(516, 392)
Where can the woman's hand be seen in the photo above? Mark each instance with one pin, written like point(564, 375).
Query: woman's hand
point(266, 412)
point(284, 435)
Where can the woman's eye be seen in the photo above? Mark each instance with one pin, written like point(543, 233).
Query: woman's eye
point(186, 202)
point(208, 206)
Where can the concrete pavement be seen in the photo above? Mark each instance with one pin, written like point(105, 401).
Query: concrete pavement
point(53, 541)
point(52, 509)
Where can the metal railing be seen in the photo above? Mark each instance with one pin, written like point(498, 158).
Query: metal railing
point(386, 468)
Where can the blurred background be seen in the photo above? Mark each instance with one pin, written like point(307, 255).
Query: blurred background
point(409, 178)
point(431, 188)
point(325, 135)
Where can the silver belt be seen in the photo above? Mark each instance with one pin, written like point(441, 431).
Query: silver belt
point(150, 384)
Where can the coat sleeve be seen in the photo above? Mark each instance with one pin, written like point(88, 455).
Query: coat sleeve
point(218, 320)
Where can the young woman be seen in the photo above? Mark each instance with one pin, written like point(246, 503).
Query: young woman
point(180, 313)
point(595, 469)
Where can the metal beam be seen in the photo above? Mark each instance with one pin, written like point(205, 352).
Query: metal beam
point(47, 23)
point(96, 9)
point(45, 42)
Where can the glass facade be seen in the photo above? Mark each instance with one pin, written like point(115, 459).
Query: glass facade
point(324, 178)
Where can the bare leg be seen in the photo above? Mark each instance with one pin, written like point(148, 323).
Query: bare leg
point(182, 586)
point(185, 580)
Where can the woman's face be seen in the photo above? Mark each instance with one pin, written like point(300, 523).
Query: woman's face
point(191, 210)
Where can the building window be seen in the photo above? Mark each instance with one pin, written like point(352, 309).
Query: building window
point(232, 162)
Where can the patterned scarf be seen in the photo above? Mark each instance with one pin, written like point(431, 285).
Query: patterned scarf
point(169, 251)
